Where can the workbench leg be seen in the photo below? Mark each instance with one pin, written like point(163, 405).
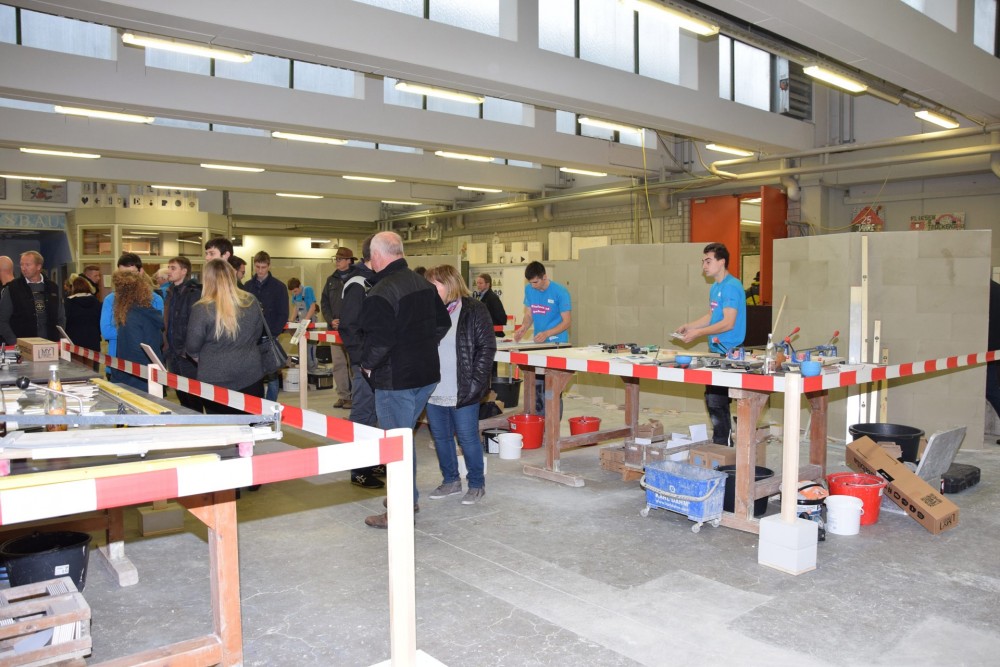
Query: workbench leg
point(818, 403)
point(113, 551)
point(555, 384)
point(748, 408)
point(528, 384)
point(631, 403)
point(218, 512)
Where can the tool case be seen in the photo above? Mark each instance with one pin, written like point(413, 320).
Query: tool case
point(959, 477)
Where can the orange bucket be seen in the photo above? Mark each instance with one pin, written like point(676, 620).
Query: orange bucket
point(578, 425)
point(531, 428)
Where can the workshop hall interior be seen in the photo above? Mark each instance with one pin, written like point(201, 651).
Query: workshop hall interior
point(847, 154)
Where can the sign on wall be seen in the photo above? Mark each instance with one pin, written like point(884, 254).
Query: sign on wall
point(934, 222)
point(46, 191)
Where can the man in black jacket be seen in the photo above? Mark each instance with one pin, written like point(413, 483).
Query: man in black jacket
point(356, 283)
point(184, 292)
point(485, 293)
point(30, 305)
point(330, 303)
point(273, 297)
point(403, 320)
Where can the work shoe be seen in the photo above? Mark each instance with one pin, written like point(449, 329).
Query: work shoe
point(474, 496)
point(367, 482)
point(382, 520)
point(341, 403)
point(447, 489)
point(378, 470)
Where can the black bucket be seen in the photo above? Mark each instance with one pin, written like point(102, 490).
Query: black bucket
point(907, 437)
point(729, 499)
point(508, 390)
point(491, 434)
point(42, 556)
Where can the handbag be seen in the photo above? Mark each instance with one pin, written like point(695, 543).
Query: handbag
point(272, 356)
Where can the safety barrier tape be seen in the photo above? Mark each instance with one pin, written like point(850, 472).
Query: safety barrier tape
point(833, 376)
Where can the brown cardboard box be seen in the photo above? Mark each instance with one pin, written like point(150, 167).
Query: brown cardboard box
point(38, 349)
point(915, 496)
point(712, 456)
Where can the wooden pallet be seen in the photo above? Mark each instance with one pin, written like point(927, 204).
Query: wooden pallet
point(613, 460)
point(45, 623)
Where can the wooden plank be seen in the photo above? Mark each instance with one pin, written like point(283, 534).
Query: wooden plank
point(748, 408)
point(554, 476)
point(198, 652)
point(585, 439)
point(772, 485)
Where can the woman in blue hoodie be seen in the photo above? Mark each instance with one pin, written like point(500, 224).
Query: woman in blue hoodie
point(137, 321)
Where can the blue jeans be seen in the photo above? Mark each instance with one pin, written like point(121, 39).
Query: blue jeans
point(447, 422)
point(993, 386)
point(400, 408)
point(271, 389)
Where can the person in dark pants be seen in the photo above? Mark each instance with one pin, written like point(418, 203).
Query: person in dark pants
point(485, 293)
point(83, 317)
point(183, 294)
point(356, 283)
point(993, 343)
point(725, 325)
point(273, 297)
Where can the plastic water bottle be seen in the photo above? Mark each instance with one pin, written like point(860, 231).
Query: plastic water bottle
point(769, 356)
point(55, 404)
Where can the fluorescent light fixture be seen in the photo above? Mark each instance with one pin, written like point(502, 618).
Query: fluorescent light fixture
point(834, 79)
point(291, 136)
point(319, 240)
point(584, 172)
point(680, 18)
point(434, 91)
point(752, 200)
point(464, 156)
point(231, 167)
point(177, 187)
point(43, 151)
point(189, 48)
point(472, 188)
point(750, 222)
point(368, 178)
point(936, 117)
point(732, 150)
point(607, 124)
point(297, 196)
point(20, 177)
point(401, 203)
point(105, 115)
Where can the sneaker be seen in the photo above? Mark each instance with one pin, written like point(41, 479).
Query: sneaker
point(378, 470)
point(367, 482)
point(474, 496)
point(382, 520)
point(448, 489)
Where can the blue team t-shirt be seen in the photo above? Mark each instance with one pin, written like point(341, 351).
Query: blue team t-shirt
point(547, 308)
point(728, 293)
point(302, 302)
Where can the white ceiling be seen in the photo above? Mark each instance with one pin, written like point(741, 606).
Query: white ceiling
point(886, 39)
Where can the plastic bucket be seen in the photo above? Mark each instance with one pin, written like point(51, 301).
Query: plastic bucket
point(290, 379)
point(42, 556)
point(843, 514)
point(508, 390)
point(531, 428)
point(510, 445)
point(866, 487)
point(729, 500)
point(907, 437)
point(490, 443)
point(578, 425)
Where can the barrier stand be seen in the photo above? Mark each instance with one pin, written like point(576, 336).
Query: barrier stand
point(786, 542)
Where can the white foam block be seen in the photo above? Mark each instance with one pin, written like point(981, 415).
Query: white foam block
point(789, 547)
point(699, 432)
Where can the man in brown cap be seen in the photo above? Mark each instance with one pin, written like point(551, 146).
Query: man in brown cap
point(330, 303)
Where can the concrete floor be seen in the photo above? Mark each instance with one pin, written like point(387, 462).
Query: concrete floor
point(543, 574)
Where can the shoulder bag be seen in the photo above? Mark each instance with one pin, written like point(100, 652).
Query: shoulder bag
point(272, 356)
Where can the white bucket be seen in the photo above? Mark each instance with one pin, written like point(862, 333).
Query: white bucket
point(510, 445)
point(290, 379)
point(843, 514)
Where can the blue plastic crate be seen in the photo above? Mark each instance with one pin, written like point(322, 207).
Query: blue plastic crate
point(695, 492)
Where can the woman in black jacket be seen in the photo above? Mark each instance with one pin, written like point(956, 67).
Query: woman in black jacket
point(466, 356)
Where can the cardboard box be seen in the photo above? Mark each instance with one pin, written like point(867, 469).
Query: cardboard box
point(915, 496)
point(38, 349)
point(712, 456)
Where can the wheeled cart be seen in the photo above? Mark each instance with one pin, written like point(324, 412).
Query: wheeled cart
point(690, 490)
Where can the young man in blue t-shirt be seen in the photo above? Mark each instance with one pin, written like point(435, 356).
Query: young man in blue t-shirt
point(548, 308)
point(726, 327)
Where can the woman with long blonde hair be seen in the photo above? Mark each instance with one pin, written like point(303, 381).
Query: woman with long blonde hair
point(222, 335)
point(137, 322)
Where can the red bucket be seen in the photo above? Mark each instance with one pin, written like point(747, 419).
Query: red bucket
point(866, 487)
point(531, 428)
point(578, 425)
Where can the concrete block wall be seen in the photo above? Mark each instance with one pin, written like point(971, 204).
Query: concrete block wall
point(930, 290)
